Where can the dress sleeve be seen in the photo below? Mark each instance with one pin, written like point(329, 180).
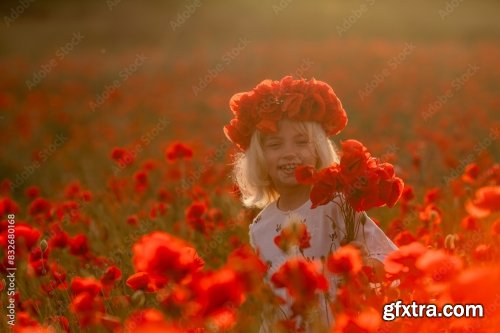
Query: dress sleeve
point(378, 245)
point(250, 235)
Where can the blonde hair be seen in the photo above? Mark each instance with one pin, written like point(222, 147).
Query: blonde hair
point(250, 171)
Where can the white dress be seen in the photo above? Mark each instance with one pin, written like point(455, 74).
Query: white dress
point(325, 237)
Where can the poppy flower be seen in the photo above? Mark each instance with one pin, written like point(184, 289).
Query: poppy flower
point(439, 265)
point(122, 156)
point(401, 264)
point(485, 202)
point(141, 281)
point(471, 172)
point(495, 228)
point(149, 321)
point(216, 291)
point(368, 321)
point(301, 279)
point(432, 195)
point(8, 206)
point(39, 206)
point(110, 276)
point(305, 174)
point(293, 234)
point(470, 223)
point(78, 245)
point(196, 216)
point(83, 284)
point(32, 192)
point(141, 180)
point(150, 251)
point(248, 265)
point(347, 260)
point(178, 151)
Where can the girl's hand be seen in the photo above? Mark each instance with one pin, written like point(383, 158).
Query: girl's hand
point(376, 265)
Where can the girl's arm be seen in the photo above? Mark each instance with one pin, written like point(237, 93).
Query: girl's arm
point(375, 242)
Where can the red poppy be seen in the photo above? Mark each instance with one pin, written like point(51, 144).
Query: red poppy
point(8, 206)
point(347, 260)
point(439, 265)
point(485, 202)
point(85, 284)
point(24, 233)
point(178, 151)
point(122, 156)
point(495, 228)
point(110, 276)
point(405, 237)
point(141, 280)
point(133, 220)
point(470, 223)
point(471, 172)
point(150, 251)
point(248, 265)
point(305, 174)
point(216, 291)
point(150, 321)
point(196, 216)
point(293, 234)
point(400, 264)
point(367, 321)
point(483, 253)
point(32, 192)
point(78, 245)
point(327, 184)
point(353, 160)
point(141, 180)
point(432, 195)
point(302, 279)
point(39, 206)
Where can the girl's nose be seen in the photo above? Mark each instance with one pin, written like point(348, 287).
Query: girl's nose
point(289, 150)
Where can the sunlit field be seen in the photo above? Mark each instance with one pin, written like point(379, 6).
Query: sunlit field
point(116, 174)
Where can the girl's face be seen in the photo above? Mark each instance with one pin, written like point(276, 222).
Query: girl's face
point(284, 151)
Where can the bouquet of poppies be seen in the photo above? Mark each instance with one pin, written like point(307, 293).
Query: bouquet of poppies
point(360, 181)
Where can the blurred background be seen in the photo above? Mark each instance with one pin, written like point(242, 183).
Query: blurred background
point(419, 80)
point(111, 117)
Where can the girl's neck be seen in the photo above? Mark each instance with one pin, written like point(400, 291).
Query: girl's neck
point(293, 199)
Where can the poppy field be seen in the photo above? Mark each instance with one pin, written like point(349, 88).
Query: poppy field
point(118, 212)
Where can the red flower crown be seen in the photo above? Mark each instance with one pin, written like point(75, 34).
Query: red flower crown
point(270, 101)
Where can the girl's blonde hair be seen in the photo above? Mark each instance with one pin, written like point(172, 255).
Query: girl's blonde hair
point(250, 171)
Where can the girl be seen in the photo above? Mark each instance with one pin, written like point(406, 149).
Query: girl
point(278, 126)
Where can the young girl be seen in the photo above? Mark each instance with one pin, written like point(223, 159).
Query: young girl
point(278, 126)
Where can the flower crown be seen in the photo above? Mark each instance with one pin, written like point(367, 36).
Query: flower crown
point(270, 101)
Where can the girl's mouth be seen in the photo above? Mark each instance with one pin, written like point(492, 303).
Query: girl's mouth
point(289, 168)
